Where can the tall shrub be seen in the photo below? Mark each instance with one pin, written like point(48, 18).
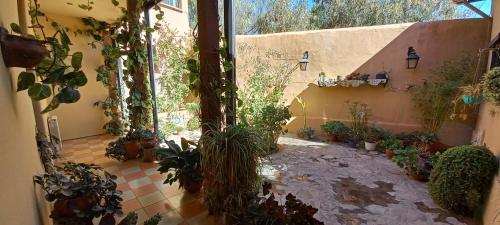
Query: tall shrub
point(261, 96)
point(434, 99)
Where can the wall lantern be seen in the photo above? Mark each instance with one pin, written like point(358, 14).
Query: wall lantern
point(304, 61)
point(413, 58)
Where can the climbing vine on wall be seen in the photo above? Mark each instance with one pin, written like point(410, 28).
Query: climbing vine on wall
point(59, 73)
point(130, 46)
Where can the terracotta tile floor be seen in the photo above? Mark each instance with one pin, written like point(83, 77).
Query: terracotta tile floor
point(142, 186)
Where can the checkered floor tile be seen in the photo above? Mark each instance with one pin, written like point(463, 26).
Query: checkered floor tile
point(142, 186)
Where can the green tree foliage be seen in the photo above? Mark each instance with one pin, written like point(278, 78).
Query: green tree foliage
point(261, 105)
point(434, 98)
point(171, 58)
point(272, 16)
point(264, 16)
point(336, 14)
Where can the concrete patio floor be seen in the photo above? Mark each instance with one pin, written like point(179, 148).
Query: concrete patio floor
point(348, 186)
point(351, 186)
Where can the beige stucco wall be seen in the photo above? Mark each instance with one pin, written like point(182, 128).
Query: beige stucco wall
point(489, 123)
point(82, 119)
point(177, 18)
point(19, 159)
point(372, 50)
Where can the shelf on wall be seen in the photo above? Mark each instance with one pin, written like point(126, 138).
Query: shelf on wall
point(329, 82)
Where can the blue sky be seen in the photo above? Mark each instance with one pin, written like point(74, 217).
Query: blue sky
point(484, 6)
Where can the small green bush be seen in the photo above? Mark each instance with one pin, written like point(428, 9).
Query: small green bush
point(335, 127)
point(461, 178)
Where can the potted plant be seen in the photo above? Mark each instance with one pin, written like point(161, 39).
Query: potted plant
point(147, 140)
point(116, 149)
point(371, 139)
point(182, 164)
point(415, 162)
point(390, 144)
point(306, 133)
point(471, 94)
point(382, 75)
point(335, 129)
point(358, 116)
point(79, 193)
point(21, 51)
point(491, 85)
point(267, 209)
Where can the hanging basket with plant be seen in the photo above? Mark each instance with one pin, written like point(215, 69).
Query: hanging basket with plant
point(491, 85)
point(20, 51)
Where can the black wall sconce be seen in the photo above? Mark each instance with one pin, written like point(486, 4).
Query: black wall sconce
point(304, 61)
point(413, 58)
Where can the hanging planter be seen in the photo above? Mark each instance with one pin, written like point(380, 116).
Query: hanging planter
point(468, 99)
point(19, 51)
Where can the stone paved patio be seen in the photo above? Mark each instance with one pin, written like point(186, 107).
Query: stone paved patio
point(351, 186)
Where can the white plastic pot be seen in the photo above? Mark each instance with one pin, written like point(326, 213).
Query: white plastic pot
point(370, 146)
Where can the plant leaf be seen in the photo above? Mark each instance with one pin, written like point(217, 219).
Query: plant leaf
point(25, 80)
point(76, 60)
point(15, 28)
point(39, 91)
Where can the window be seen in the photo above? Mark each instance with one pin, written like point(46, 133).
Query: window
point(174, 3)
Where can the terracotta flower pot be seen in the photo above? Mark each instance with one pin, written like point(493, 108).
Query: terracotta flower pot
point(433, 147)
point(148, 143)
point(334, 138)
point(132, 148)
point(389, 153)
point(192, 186)
point(418, 177)
point(19, 51)
point(148, 155)
point(63, 208)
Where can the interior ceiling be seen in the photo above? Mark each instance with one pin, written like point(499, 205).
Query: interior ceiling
point(102, 9)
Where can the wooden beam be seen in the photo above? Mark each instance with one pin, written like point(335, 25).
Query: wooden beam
point(210, 71)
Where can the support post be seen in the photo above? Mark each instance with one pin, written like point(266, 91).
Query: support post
point(151, 69)
point(210, 72)
point(229, 33)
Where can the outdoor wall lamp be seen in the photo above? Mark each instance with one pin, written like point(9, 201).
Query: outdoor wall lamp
point(413, 58)
point(304, 61)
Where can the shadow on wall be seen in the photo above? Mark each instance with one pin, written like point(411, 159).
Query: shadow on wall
point(391, 106)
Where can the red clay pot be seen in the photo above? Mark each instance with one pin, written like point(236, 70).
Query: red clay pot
point(148, 143)
point(19, 51)
point(132, 148)
point(334, 138)
point(148, 155)
point(192, 187)
point(418, 177)
point(63, 208)
point(389, 153)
